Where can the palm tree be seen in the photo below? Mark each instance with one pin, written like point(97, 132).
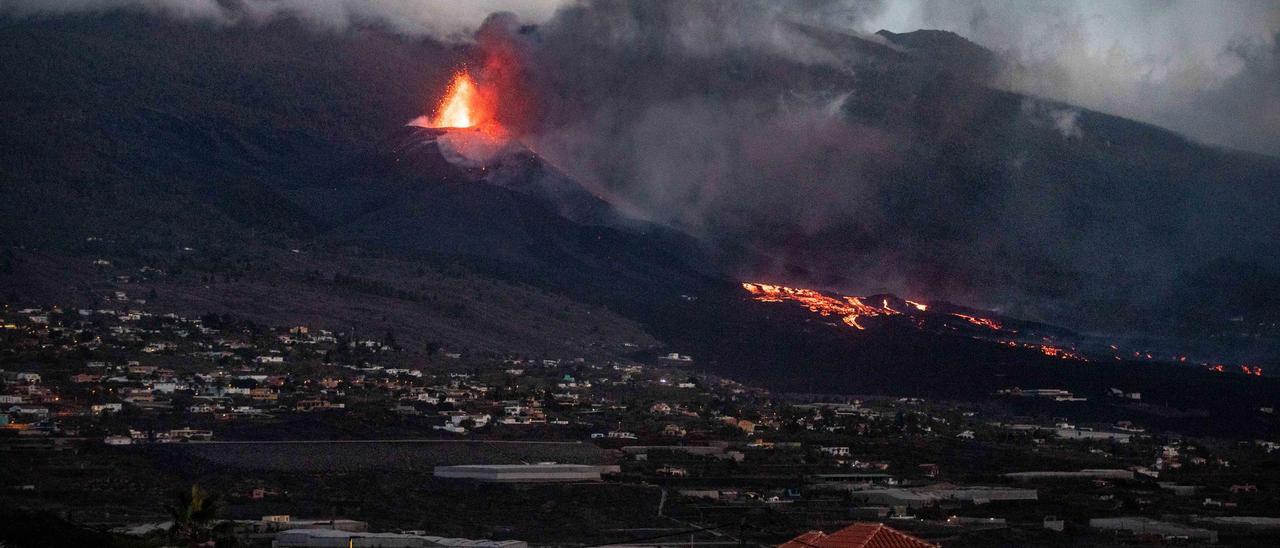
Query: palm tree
point(193, 516)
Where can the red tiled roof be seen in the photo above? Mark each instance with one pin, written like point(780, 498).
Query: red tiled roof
point(858, 535)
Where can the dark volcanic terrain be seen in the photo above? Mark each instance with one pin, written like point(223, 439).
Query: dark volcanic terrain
point(278, 182)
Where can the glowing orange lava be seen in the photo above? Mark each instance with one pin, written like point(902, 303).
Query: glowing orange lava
point(463, 105)
point(849, 308)
point(980, 322)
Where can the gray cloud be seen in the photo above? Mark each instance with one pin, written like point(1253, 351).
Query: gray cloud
point(443, 19)
point(755, 122)
point(705, 114)
point(1205, 69)
point(785, 140)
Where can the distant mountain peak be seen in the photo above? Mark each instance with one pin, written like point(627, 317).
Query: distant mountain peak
point(931, 38)
point(947, 50)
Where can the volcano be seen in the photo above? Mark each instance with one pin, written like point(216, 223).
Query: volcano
point(436, 154)
point(309, 174)
point(460, 192)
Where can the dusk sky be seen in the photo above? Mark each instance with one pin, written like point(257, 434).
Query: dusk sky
point(1208, 69)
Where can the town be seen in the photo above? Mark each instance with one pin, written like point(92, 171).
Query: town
point(639, 273)
point(106, 412)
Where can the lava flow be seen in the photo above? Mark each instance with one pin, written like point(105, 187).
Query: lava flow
point(980, 322)
point(849, 308)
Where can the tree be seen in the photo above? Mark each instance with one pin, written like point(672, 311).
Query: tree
point(193, 518)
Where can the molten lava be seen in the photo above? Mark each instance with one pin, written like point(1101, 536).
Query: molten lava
point(980, 322)
point(467, 105)
point(463, 105)
point(849, 308)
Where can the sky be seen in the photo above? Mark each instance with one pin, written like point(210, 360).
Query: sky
point(1209, 69)
point(1206, 68)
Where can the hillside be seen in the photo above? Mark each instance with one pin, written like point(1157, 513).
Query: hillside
point(267, 172)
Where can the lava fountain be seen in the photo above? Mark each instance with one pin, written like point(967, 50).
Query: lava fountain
point(466, 105)
point(462, 105)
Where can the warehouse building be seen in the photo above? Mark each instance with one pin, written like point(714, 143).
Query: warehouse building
point(699, 450)
point(1146, 527)
point(521, 473)
point(1095, 473)
point(926, 496)
point(327, 538)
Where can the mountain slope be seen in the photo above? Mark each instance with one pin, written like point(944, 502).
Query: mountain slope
point(212, 152)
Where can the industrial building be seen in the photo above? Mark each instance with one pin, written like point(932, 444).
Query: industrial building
point(1242, 522)
point(1078, 434)
point(925, 496)
point(1094, 473)
point(855, 478)
point(700, 450)
point(258, 533)
point(521, 473)
point(1146, 527)
point(328, 538)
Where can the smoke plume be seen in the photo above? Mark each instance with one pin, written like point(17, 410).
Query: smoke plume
point(1206, 69)
point(807, 148)
point(811, 146)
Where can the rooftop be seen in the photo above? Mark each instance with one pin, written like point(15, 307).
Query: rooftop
point(858, 535)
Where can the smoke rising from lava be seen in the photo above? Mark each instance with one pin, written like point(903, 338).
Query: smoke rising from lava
point(776, 128)
point(1207, 69)
point(1210, 70)
point(441, 19)
point(782, 140)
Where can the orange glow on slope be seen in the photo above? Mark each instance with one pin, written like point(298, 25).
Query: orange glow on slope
point(980, 322)
point(462, 106)
point(849, 308)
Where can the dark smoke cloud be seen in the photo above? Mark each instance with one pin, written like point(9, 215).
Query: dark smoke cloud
point(1203, 68)
point(441, 19)
point(705, 114)
point(785, 138)
point(1206, 69)
point(784, 127)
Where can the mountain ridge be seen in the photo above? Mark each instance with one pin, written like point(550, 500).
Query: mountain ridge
point(245, 176)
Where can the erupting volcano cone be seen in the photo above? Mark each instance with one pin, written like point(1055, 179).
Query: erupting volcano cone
point(465, 105)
